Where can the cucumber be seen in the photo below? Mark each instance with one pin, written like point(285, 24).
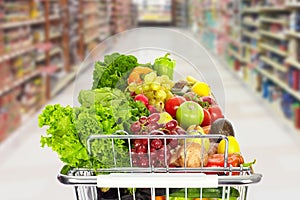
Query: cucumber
point(206, 192)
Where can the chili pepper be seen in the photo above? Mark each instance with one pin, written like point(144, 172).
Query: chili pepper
point(217, 160)
point(165, 66)
point(249, 164)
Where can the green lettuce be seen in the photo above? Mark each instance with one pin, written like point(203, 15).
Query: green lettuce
point(114, 71)
point(70, 128)
point(62, 135)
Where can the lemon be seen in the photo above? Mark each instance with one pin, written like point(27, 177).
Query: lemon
point(233, 146)
point(198, 130)
point(193, 128)
point(201, 88)
point(164, 118)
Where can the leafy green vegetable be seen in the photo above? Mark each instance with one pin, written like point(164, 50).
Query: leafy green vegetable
point(104, 96)
point(101, 120)
point(125, 109)
point(104, 111)
point(62, 135)
point(114, 71)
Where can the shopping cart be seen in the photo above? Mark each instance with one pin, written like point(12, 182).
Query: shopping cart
point(167, 181)
point(164, 180)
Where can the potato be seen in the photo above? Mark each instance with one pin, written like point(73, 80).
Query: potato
point(193, 155)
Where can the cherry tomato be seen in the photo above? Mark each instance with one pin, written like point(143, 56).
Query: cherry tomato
point(172, 105)
point(207, 118)
point(142, 98)
point(215, 113)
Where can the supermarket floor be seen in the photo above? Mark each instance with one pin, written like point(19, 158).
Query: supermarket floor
point(29, 173)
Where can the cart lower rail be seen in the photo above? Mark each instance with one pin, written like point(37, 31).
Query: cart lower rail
point(190, 185)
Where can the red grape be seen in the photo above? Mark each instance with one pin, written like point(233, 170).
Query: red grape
point(144, 162)
point(137, 143)
point(153, 162)
point(167, 132)
point(143, 120)
point(152, 126)
point(144, 133)
point(152, 109)
point(173, 143)
point(144, 142)
point(153, 118)
point(160, 155)
point(136, 127)
point(156, 143)
point(171, 125)
point(141, 149)
point(156, 132)
point(135, 162)
point(133, 150)
point(180, 131)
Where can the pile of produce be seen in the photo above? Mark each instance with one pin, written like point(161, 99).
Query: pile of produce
point(141, 99)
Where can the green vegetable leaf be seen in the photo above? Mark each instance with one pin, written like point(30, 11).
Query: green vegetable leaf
point(114, 71)
point(62, 136)
point(103, 111)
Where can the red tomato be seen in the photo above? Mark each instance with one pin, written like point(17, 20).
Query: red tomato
point(142, 98)
point(215, 113)
point(207, 118)
point(172, 104)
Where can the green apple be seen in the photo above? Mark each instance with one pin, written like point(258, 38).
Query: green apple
point(189, 113)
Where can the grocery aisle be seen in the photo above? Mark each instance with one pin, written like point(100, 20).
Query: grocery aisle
point(28, 172)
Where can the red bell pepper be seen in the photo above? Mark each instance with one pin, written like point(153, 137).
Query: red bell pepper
point(217, 160)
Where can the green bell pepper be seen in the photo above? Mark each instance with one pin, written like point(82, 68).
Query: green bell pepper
point(165, 66)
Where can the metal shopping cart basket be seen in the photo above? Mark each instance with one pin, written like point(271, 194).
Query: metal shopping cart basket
point(225, 182)
point(123, 179)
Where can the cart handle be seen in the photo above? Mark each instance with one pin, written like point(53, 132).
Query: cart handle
point(115, 178)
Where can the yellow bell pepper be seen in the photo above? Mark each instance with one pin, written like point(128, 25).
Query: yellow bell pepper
point(201, 88)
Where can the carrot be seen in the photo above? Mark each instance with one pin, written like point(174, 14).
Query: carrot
point(160, 198)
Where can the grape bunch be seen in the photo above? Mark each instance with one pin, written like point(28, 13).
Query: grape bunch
point(156, 88)
point(153, 152)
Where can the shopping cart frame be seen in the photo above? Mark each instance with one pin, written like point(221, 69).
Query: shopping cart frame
point(88, 179)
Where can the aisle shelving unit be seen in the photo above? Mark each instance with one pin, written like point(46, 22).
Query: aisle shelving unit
point(122, 15)
point(180, 13)
point(267, 55)
point(21, 82)
point(273, 20)
point(93, 24)
point(41, 46)
point(196, 17)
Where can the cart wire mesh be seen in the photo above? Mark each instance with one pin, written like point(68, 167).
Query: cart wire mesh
point(164, 180)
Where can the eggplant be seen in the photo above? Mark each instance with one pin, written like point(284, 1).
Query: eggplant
point(221, 126)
